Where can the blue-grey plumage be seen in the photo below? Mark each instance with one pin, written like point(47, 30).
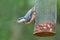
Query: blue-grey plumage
point(27, 17)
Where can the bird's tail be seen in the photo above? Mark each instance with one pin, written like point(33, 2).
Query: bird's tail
point(20, 20)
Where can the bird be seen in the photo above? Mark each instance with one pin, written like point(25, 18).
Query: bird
point(28, 17)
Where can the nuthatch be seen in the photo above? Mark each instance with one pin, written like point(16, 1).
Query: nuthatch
point(29, 17)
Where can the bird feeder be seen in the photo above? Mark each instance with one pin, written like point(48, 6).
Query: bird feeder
point(46, 15)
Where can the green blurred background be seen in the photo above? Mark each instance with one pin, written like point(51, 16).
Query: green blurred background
point(10, 10)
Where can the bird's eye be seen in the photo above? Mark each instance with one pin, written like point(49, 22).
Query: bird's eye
point(19, 18)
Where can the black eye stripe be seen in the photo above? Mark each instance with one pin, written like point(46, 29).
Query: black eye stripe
point(20, 18)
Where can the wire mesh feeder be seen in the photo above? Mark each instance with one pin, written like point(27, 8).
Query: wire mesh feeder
point(45, 21)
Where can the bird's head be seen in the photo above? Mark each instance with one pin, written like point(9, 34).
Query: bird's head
point(19, 19)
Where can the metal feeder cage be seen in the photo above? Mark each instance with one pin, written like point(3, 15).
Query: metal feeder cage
point(46, 15)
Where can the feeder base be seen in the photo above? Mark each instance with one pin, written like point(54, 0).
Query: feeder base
point(44, 34)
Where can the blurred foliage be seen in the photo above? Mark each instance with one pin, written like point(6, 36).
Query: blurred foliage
point(10, 10)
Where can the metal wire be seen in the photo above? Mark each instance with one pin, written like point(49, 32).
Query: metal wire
point(46, 10)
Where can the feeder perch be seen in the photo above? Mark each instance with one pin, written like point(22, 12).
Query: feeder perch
point(45, 21)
